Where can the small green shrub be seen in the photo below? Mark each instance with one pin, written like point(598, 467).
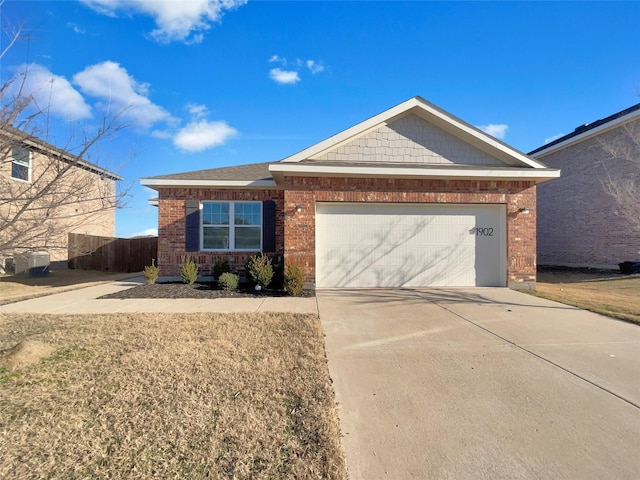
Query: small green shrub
point(151, 272)
point(228, 281)
point(220, 267)
point(260, 269)
point(189, 271)
point(293, 279)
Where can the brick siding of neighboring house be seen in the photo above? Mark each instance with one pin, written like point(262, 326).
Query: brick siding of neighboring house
point(577, 221)
point(295, 231)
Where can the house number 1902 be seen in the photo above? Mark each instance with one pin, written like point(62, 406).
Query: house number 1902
point(483, 231)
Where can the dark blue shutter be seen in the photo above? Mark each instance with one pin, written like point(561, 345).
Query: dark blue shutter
point(192, 215)
point(268, 226)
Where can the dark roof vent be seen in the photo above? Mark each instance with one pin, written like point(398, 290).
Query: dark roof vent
point(588, 126)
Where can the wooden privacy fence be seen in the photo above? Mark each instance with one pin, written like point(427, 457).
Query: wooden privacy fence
point(90, 252)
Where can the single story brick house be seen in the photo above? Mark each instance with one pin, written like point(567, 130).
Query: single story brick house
point(412, 197)
point(580, 223)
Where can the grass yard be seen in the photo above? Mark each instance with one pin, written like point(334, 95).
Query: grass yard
point(15, 288)
point(166, 396)
point(607, 293)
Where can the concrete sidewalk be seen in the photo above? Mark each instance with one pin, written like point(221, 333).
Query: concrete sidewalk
point(86, 300)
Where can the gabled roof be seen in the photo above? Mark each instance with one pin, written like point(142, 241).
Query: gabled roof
point(517, 165)
point(589, 130)
point(510, 163)
point(16, 136)
point(429, 112)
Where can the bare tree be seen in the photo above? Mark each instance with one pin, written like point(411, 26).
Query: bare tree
point(46, 190)
point(622, 166)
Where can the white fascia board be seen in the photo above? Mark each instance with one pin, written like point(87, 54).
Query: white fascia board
point(353, 171)
point(589, 133)
point(428, 111)
point(166, 182)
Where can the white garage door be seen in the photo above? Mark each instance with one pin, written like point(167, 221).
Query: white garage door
point(410, 245)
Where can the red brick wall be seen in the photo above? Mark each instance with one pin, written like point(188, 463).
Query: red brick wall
point(295, 231)
point(299, 227)
point(171, 227)
point(579, 223)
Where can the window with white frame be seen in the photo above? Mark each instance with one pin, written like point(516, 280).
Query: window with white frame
point(232, 226)
point(21, 163)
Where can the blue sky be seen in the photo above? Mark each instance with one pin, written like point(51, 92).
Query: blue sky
point(211, 83)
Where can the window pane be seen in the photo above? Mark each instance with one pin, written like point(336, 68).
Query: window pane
point(247, 238)
point(215, 238)
point(247, 213)
point(215, 213)
point(19, 171)
point(21, 155)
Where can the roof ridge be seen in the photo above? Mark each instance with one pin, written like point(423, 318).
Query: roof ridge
point(580, 129)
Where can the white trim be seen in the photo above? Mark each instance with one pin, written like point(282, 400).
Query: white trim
point(169, 182)
point(231, 226)
point(427, 111)
point(438, 172)
point(18, 162)
point(588, 134)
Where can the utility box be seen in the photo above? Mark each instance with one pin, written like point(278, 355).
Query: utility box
point(36, 264)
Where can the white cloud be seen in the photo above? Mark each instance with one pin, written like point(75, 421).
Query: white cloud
point(120, 93)
point(290, 71)
point(196, 110)
point(50, 92)
point(555, 137)
point(200, 135)
point(76, 28)
point(181, 21)
point(149, 232)
point(495, 130)
point(314, 66)
point(289, 77)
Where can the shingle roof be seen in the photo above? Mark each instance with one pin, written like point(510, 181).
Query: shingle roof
point(586, 127)
point(17, 136)
point(249, 172)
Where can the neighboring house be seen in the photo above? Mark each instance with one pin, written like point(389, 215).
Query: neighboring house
point(580, 223)
point(47, 193)
point(411, 197)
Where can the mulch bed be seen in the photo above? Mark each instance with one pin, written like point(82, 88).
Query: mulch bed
point(197, 290)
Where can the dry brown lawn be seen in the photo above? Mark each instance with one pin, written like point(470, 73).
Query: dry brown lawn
point(15, 288)
point(237, 396)
point(607, 293)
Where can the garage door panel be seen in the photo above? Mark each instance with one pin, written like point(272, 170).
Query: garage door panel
point(394, 245)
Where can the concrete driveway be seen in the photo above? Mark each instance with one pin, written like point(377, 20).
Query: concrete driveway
point(481, 383)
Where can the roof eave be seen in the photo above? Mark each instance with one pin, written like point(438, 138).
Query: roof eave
point(543, 151)
point(156, 183)
point(279, 171)
point(45, 148)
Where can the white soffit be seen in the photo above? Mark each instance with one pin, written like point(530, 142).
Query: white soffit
point(538, 174)
point(167, 182)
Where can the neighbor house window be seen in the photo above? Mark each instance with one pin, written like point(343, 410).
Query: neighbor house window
point(21, 163)
point(232, 226)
